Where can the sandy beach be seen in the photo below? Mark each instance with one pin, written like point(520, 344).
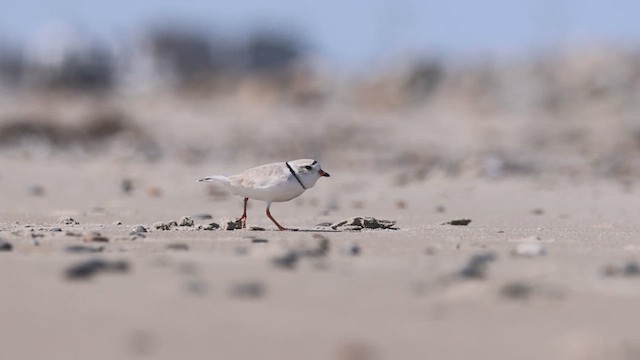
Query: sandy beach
point(513, 188)
point(570, 293)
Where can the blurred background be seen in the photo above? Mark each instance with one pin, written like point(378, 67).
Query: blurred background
point(457, 88)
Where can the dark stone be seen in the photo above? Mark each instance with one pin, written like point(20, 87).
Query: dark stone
point(516, 291)
point(212, 226)
point(287, 261)
point(87, 269)
point(476, 267)
point(81, 249)
point(5, 246)
point(140, 229)
point(458, 222)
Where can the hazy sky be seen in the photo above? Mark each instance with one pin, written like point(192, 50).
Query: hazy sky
point(354, 32)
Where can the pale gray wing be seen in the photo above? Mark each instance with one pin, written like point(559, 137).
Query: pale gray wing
point(261, 176)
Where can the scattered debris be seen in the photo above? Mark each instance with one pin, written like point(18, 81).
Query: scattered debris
point(248, 290)
point(630, 269)
point(81, 249)
point(139, 229)
point(476, 267)
point(458, 222)
point(257, 228)
point(186, 221)
point(529, 249)
point(211, 226)
point(94, 237)
point(202, 216)
point(178, 246)
point(5, 246)
point(55, 229)
point(234, 225)
point(89, 268)
point(287, 261)
point(67, 221)
point(358, 223)
point(165, 226)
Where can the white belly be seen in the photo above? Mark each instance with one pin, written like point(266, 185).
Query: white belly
point(280, 192)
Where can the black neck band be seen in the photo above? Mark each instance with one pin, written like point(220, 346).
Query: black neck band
point(295, 176)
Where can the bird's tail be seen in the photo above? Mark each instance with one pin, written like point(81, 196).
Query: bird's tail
point(219, 178)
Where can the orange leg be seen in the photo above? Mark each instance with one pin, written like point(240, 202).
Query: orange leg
point(280, 227)
point(243, 218)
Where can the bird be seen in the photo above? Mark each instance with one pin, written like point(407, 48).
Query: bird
point(275, 182)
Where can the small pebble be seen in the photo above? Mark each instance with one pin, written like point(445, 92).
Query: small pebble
point(476, 267)
point(68, 221)
point(117, 223)
point(458, 222)
point(36, 190)
point(139, 229)
point(211, 226)
point(186, 221)
point(257, 228)
point(630, 269)
point(87, 269)
point(516, 291)
point(5, 246)
point(81, 249)
point(55, 229)
point(234, 225)
point(286, 261)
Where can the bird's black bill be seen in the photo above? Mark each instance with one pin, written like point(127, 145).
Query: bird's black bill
point(325, 174)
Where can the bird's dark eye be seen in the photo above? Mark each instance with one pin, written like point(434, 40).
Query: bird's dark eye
point(308, 167)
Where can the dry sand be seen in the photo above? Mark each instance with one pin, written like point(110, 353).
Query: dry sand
point(403, 296)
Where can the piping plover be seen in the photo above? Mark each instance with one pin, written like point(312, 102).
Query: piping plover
point(276, 182)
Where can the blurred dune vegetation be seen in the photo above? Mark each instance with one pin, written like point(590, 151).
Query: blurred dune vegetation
point(181, 94)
